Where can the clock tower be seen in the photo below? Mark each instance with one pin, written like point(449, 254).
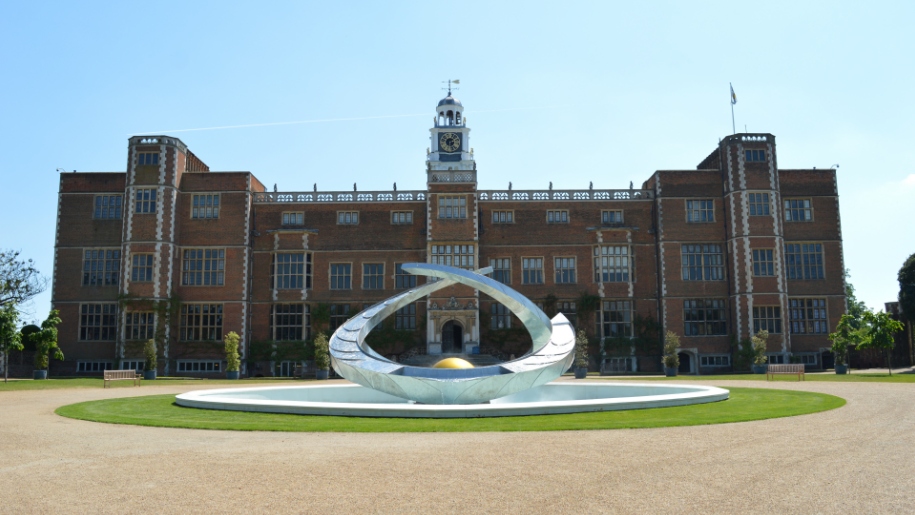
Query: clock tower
point(450, 145)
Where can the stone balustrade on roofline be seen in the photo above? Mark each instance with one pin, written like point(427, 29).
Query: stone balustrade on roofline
point(339, 196)
point(437, 176)
point(420, 196)
point(571, 195)
point(750, 138)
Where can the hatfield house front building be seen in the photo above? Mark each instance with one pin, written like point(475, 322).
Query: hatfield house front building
point(172, 251)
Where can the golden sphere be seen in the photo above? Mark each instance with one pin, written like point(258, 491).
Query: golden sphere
point(453, 363)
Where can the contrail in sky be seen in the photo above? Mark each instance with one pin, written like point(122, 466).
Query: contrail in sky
point(301, 122)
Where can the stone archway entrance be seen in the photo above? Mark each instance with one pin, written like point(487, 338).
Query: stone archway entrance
point(452, 338)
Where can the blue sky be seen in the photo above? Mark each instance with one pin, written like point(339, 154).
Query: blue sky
point(569, 92)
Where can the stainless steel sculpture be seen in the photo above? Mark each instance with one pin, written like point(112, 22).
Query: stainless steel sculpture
point(551, 354)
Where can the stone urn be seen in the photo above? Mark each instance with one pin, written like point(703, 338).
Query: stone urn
point(841, 369)
point(581, 372)
point(760, 369)
point(232, 374)
point(40, 374)
point(321, 374)
point(149, 375)
point(670, 371)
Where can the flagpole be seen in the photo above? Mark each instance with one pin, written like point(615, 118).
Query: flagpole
point(733, 125)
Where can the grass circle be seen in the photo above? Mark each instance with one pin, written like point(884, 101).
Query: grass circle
point(745, 404)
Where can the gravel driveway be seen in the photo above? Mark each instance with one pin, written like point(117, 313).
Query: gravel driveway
point(856, 459)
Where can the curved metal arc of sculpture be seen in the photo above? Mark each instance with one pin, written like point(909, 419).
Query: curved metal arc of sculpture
point(551, 354)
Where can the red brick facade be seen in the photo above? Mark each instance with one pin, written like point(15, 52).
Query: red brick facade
point(711, 254)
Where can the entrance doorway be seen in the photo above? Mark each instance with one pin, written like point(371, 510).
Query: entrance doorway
point(452, 338)
point(685, 365)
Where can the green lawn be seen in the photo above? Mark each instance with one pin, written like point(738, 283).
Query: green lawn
point(96, 382)
point(745, 404)
point(829, 377)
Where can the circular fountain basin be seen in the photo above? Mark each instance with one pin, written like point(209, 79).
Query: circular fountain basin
point(358, 401)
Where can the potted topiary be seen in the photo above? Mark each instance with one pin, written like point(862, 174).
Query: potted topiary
point(846, 334)
point(322, 357)
point(45, 341)
point(758, 344)
point(233, 361)
point(149, 367)
point(581, 355)
point(670, 359)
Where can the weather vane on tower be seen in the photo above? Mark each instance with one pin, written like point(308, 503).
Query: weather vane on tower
point(450, 82)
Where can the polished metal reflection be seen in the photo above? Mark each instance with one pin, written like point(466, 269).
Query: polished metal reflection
point(551, 353)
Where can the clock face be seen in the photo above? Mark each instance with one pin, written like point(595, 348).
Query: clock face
point(450, 141)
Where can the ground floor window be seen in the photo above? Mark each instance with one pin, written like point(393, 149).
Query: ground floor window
point(137, 365)
point(501, 316)
point(618, 365)
point(93, 366)
point(339, 314)
point(199, 366)
point(615, 319)
point(703, 317)
point(715, 361)
point(290, 322)
point(768, 318)
point(405, 317)
point(776, 359)
point(288, 368)
point(807, 359)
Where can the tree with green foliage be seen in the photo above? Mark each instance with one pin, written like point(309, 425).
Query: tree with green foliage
point(906, 279)
point(150, 352)
point(233, 360)
point(10, 337)
point(46, 341)
point(854, 307)
point(881, 332)
point(758, 343)
point(846, 335)
point(19, 279)
point(671, 345)
point(322, 352)
point(581, 349)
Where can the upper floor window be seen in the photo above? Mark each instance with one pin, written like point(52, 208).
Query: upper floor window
point(296, 218)
point(503, 217)
point(292, 270)
point(98, 322)
point(373, 276)
point(107, 206)
point(755, 156)
point(401, 217)
point(611, 263)
point(532, 270)
point(205, 206)
point(798, 210)
point(700, 211)
point(341, 275)
point(804, 260)
point(763, 263)
point(101, 267)
point(565, 270)
point(704, 317)
point(402, 279)
point(611, 217)
point(200, 322)
point(759, 204)
point(501, 270)
point(141, 269)
point(146, 200)
point(347, 217)
point(460, 256)
point(557, 216)
point(702, 262)
point(203, 267)
point(807, 316)
point(147, 158)
point(452, 207)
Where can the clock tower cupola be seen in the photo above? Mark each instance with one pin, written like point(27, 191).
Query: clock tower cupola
point(450, 138)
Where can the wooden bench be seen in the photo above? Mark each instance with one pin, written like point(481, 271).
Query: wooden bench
point(120, 375)
point(794, 368)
